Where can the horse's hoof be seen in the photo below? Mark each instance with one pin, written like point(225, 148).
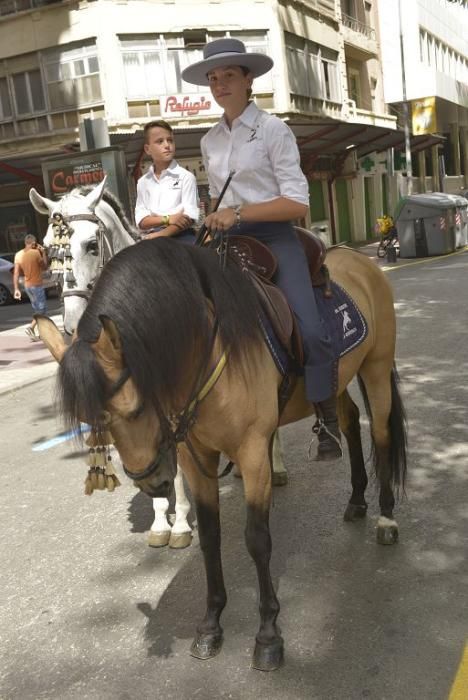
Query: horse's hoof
point(268, 657)
point(279, 478)
point(387, 531)
point(158, 539)
point(180, 540)
point(205, 646)
point(354, 512)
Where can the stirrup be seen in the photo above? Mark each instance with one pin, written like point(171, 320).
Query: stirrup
point(322, 432)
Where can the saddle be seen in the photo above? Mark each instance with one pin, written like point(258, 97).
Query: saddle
point(259, 261)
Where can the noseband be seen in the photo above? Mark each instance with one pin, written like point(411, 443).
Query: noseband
point(59, 252)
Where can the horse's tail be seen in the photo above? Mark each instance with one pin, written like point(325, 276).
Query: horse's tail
point(398, 435)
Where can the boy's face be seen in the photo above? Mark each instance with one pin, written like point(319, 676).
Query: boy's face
point(160, 146)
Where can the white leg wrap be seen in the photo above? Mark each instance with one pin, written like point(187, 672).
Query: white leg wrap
point(182, 506)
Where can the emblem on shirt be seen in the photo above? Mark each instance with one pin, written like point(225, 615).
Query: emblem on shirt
point(176, 184)
point(253, 134)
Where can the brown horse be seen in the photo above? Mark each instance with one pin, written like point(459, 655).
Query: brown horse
point(178, 358)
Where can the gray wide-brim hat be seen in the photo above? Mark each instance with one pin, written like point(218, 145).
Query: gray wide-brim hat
point(226, 52)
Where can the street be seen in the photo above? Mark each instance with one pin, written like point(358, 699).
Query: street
point(89, 611)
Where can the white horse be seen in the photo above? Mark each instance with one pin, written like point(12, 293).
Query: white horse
point(95, 228)
point(99, 229)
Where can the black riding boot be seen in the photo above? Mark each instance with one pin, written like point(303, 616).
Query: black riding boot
point(327, 430)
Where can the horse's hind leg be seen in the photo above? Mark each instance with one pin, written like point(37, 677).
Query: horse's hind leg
point(379, 385)
point(254, 461)
point(348, 414)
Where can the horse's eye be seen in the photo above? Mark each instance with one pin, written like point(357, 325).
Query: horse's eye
point(92, 247)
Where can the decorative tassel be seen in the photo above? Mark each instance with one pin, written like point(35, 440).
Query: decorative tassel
point(112, 480)
point(101, 473)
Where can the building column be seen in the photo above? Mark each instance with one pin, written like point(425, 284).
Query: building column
point(455, 139)
point(464, 143)
point(422, 171)
point(435, 169)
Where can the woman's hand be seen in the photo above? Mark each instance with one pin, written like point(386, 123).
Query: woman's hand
point(221, 220)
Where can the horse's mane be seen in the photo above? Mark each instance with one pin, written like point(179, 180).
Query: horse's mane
point(115, 204)
point(160, 294)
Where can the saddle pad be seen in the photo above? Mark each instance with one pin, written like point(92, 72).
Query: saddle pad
point(345, 323)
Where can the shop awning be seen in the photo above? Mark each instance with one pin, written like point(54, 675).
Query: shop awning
point(316, 138)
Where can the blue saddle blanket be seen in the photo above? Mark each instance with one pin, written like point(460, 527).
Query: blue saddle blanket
point(346, 327)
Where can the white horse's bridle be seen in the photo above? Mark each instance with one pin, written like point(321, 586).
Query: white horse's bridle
point(60, 251)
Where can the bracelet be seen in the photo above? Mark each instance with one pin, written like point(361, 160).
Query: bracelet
point(238, 215)
point(166, 220)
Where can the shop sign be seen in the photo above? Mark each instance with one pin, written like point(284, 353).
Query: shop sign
point(424, 116)
point(64, 179)
point(192, 105)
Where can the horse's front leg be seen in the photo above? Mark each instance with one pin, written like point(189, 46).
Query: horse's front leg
point(209, 638)
point(280, 475)
point(181, 533)
point(254, 461)
point(160, 532)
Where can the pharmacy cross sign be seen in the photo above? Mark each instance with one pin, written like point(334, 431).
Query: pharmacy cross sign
point(367, 164)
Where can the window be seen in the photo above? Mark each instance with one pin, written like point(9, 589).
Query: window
point(28, 92)
point(73, 77)
point(5, 104)
point(312, 69)
point(354, 86)
point(153, 64)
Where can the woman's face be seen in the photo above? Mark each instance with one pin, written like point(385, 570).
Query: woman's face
point(229, 86)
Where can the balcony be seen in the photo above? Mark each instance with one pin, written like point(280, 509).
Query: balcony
point(359, 38)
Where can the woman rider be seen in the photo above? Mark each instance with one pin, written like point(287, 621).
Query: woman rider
point(267, 192)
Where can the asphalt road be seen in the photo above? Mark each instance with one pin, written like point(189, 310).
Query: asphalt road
point(88, 611)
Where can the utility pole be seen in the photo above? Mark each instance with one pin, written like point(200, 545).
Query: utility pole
point(406, 125)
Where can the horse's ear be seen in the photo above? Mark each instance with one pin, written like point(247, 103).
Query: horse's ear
point(51, 336)
point(40, 203)
point(112, 332)
point(94, 197)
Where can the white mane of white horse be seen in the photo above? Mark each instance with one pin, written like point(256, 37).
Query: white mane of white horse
point(84, 243)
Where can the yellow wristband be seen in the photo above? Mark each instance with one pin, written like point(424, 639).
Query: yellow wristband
point(166, 220)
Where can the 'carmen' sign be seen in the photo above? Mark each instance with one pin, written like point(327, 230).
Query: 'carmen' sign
point(63, 173)
point(193, 105)
point(66, 178)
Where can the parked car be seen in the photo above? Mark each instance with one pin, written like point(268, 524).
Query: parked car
point(6, 280)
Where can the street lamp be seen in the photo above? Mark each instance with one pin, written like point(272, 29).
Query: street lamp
point(406, 124)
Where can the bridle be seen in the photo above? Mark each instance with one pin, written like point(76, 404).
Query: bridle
point(59, 252)
point(175, 427)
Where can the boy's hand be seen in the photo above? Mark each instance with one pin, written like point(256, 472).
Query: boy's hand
point(180, 220)
point(17, 295)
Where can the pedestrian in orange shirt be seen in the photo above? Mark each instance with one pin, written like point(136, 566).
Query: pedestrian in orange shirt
point(30, 262)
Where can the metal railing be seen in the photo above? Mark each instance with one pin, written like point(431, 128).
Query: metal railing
point(357, 26)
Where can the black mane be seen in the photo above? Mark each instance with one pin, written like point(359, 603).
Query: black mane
point(156, 293)
point(113, 202)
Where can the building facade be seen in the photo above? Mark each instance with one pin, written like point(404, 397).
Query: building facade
point(425, 60)
point(63, 63)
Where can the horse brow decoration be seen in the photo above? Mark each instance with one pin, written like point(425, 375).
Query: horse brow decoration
point(59, 252)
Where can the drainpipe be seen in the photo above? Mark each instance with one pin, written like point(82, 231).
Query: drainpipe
point(330, 182)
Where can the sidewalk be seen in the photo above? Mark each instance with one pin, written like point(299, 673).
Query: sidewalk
point(24, 362)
